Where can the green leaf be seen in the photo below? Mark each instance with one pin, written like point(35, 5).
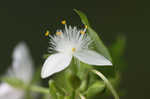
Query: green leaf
point(117, 51)
point(52, 89)
point(94, 89)
point(99, 44)
point(17, 83)
point(115, 81)
point(83, 70)
point(54, 92)
point(118, 47)
point(63, 81)
point(83, 73)
point(83, 17)
point(14, 82)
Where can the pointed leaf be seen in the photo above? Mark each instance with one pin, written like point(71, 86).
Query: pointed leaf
point(99, 44)
point(83, 17)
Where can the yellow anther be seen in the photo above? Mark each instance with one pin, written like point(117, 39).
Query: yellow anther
point(63, 22)
point(86, 26)
point(47, 33)
point(73, 49)
point(58, 33)
point(82, 32)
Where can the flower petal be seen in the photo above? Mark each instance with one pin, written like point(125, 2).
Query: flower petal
point(92, 58)
point(55, 63)
point(22, 64)
point(8, 92)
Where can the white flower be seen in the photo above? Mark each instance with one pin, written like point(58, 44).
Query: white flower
point(71, 42)
point(8, 92)
point(22, 65)
point(22, 68)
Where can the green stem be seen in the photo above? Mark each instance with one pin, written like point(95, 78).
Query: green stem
point(108, 84)
point(39, 89)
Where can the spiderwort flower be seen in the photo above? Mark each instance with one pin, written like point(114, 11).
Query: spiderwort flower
point(22, 68)
point(68, 43)
point(22, 65)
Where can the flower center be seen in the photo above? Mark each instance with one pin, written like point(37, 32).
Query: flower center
point(73, 49)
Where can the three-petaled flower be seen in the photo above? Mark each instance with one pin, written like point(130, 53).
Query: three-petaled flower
point(68, 43)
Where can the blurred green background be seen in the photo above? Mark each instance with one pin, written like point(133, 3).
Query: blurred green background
point(27, 20)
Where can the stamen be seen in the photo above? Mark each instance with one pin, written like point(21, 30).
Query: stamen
point(58, 33)
point(86, 26)
point(63, 22)
point(47, 33)
point(82, 32)
point(73, 49)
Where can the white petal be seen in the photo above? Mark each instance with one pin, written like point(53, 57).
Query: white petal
point(22, 64)
point(8, 92)
point(92, 58)
point(55, 63)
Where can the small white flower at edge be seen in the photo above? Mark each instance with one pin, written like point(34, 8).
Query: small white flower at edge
point(22, 68)
point(69, 43)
